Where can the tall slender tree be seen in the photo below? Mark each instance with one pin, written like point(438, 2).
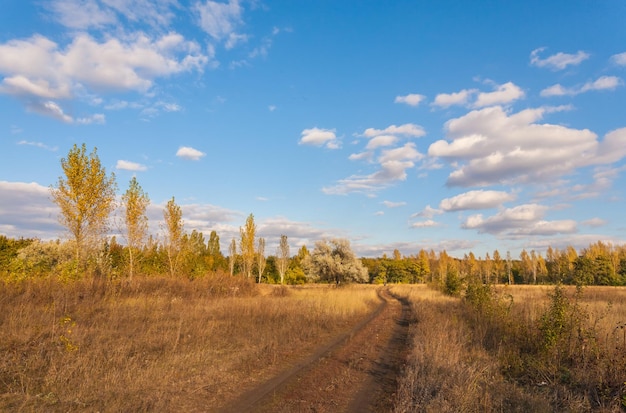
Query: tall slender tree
point(261, 261)
point(135, 202)
point(246, 245)
point(232, 256)
point(282, 255)
point(174, 232)
point(86, 198)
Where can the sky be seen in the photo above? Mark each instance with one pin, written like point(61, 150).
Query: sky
point(444, 125)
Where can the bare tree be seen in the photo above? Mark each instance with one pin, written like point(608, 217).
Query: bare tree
point(135, 202)
point(260, 263)
point(86, 197)
point(232, 251)
point(282, 255)
point(246, 245)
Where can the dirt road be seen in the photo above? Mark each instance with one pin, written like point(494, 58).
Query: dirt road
point(356, 372)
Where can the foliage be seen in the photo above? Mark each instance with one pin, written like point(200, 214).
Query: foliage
point(282, 260)
point(246, 245)
point(86, 198)
point(135, 202)
point(335, 262)
point(174, 231)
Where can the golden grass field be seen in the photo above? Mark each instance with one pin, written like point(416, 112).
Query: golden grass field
point(493, 361)
point(162, 344)
point(158, 344)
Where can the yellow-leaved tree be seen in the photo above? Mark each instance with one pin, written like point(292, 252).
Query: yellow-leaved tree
point(135, 202)
point(246, 245)
point(86, 198)
point(174, 234)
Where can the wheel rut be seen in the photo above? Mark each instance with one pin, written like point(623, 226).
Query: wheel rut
point(355, 372)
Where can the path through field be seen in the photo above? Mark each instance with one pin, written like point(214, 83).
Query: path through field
point(356, 372)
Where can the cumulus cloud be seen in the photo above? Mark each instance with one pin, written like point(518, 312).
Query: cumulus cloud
point(411, 99)
point(490, 146)
point(557, 61)
point(408, 130)
point(522, 220)
point(505, 93)
point(319, 137)
point(27, 211)
point(445, 100)
point(130, 166)
point(619, 59)
point(393, 166)
point(41, 72)
point(380, 141)
point(480, 199)
point(190, 153)
point(602, 83)
point(427, 212)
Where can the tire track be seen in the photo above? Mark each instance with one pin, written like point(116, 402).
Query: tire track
point(357, 369)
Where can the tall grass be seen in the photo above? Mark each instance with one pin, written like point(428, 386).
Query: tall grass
point(516, 348)
point(157, 344)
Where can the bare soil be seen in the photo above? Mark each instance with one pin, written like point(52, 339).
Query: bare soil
point(355, 372)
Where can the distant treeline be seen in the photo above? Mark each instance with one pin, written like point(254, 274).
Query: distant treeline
point(598, 264)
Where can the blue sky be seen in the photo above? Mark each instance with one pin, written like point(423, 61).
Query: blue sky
point(464, 126)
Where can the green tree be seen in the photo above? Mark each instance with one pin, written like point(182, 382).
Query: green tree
point(86, 198)
point(246, 245)
point(214, 254)
point(135, 202)
point(174, 231)
point(335, 262)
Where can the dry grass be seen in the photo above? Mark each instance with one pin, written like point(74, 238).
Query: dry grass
point(493, 355)
point(158, 344)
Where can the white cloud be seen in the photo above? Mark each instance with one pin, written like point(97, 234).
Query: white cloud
point(380, 141)
point(97, 118)
point(522, 220)
point(490, 146)
point(408, 129)
point(557, 61)
point(94, 14)
point(393, 166)
point(39, 145)
point(505, 93)
point(427, 212)
point(27, 211)
point(38, 70)
point(319, 137)
point(130, 166)
point(619, 59)
point(424, 224)
point(444, 100)
point(187, 152)
point(411, 99)
point(479, 199)
point(390, 204)
point(81, 14)
point(595, 222)
point(219, 20)
point(602, 83)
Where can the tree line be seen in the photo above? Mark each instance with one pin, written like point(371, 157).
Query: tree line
point(86, 197)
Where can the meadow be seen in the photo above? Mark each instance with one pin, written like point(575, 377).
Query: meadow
point(159, 344)
point(515, 348)
point(165, 344)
